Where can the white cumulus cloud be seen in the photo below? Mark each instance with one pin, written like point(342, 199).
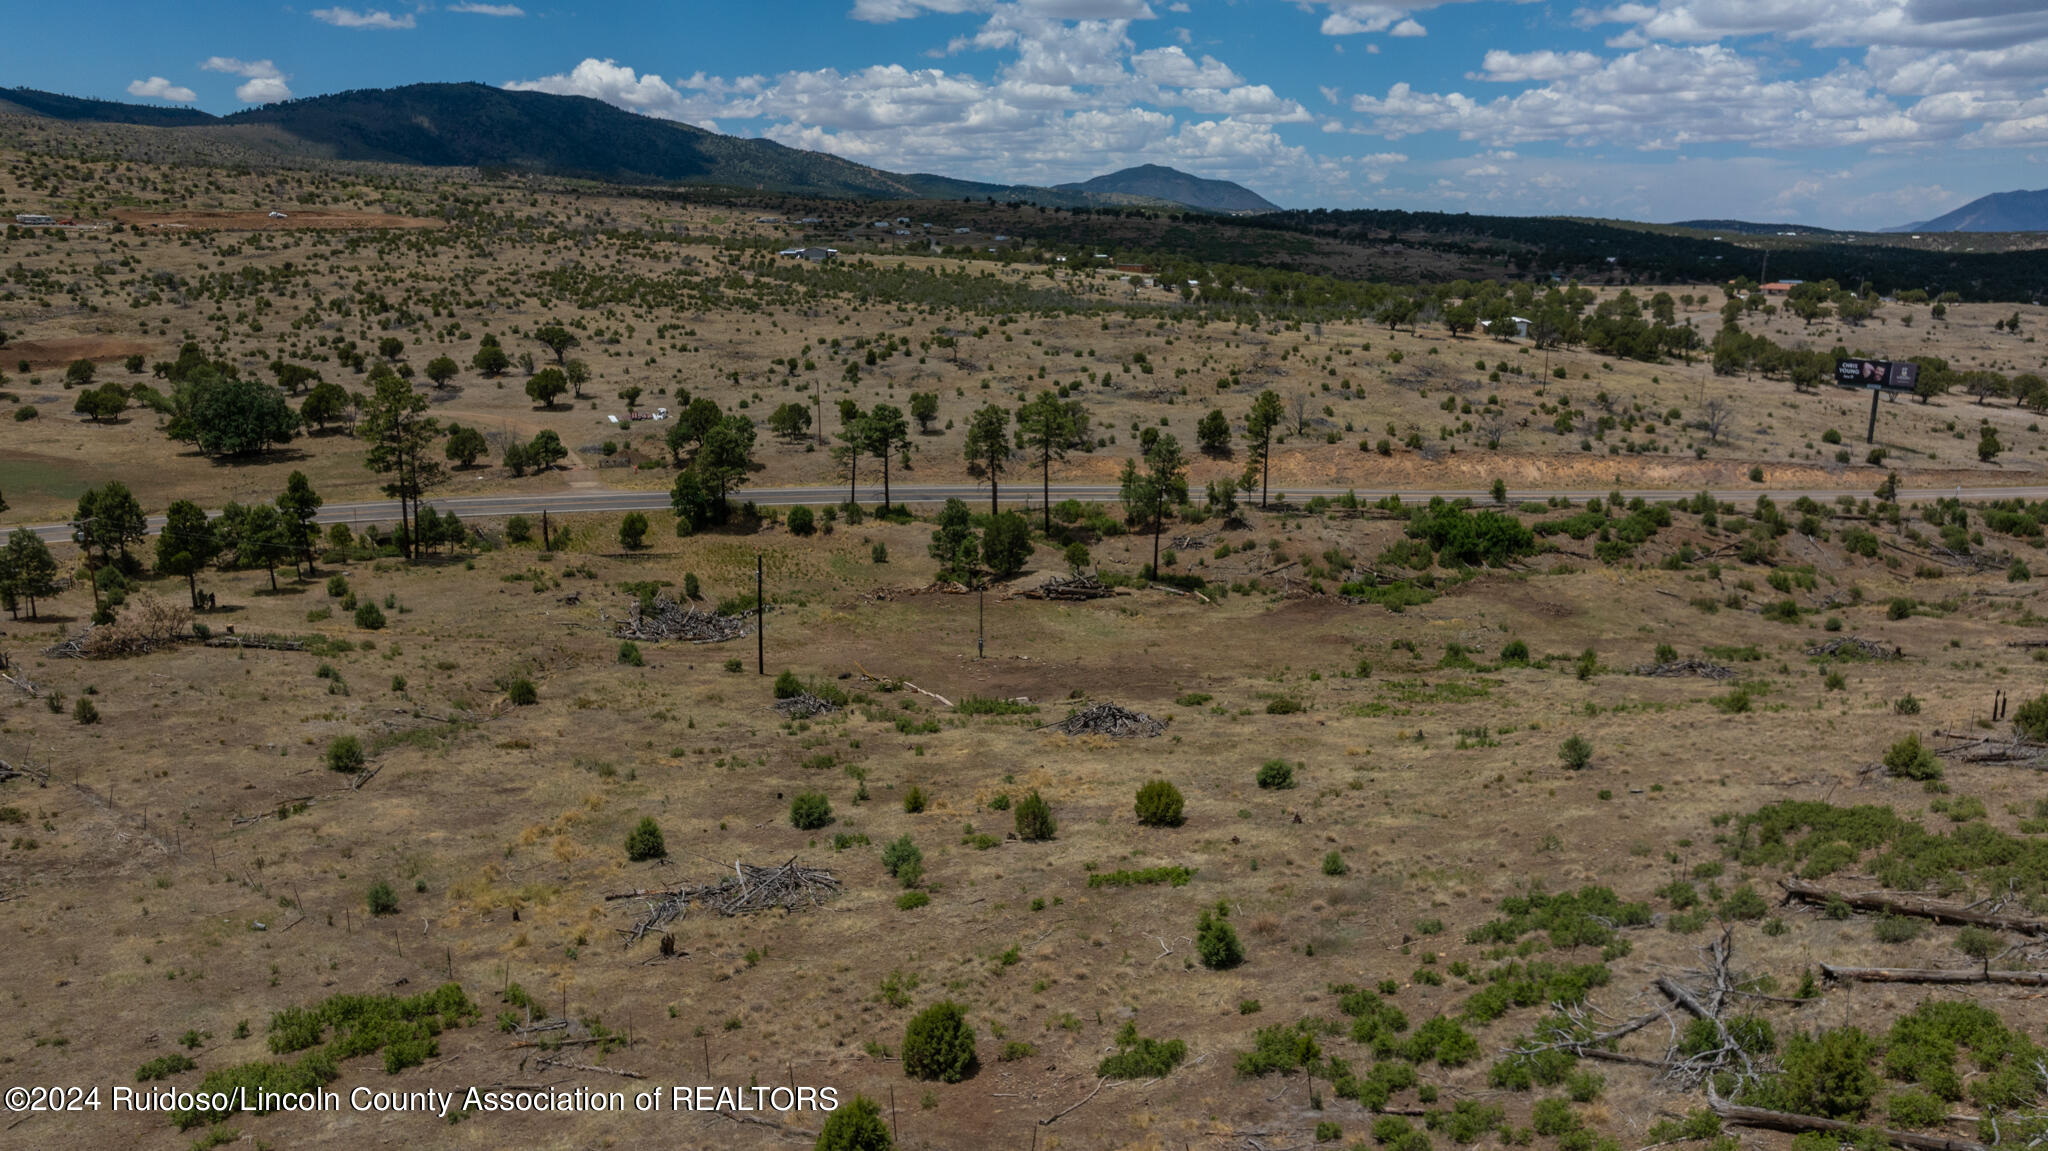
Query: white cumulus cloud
point(265, 84)
point(158, 88)
point(374, 18)
point(488, 9)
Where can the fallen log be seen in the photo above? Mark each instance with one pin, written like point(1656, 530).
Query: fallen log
point(1912, 905)
point(1931, 975)
point(1787, 1121)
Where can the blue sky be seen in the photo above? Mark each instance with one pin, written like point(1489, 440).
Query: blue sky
point(1854, 113)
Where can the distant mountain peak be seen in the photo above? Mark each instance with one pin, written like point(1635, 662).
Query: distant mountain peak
point(1158, 182)
point(2018, 211)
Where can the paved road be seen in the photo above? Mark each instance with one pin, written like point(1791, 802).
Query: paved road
point(385, 512)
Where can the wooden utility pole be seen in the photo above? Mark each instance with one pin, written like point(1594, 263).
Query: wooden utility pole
point(760, 622)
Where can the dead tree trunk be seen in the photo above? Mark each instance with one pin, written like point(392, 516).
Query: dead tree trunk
point(1928, 975)
point(1787, 1121)
point(1912, 905)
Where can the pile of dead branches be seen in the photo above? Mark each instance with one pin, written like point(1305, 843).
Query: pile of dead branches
point(148, 624)
point(264, 642)
point(1080, 587)
point(1990, 749)
point(803, 705)
point(665, 619)
point(23, 770)
point(747, 889)
point(1856, 646)
point(1109, 719)
point(1677, 667)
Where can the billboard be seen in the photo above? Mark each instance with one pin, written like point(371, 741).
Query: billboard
point(1890, 375)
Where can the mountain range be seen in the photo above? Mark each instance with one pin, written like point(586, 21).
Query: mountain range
point(469, 124)
point(1154, 182)
point(1998, 212)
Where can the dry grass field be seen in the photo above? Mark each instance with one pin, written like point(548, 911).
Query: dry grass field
point(180, 867)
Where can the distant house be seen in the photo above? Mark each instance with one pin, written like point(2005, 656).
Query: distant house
point(814, 255)
point(277, 215)
point(903, 219)
point(1521, 324)
point(962, 231)
point(34, 220)
point(1781, 287)
point(810, 220)
point(881, 223)
point(1132, 268)
point(767, 219)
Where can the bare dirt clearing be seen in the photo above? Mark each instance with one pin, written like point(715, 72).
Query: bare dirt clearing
point(233, 221)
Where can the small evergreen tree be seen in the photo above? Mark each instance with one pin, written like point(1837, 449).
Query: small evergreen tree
point(858, 1126)
point(1159, 804)
point(939, 1044)
point(644, 842)
point(1034, 818)
point(345, 753)
point(1216, 941)
point(810, 811)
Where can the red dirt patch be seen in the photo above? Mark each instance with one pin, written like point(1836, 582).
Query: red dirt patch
point(265, 222)
point(59, 352)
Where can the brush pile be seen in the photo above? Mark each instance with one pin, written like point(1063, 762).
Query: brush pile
point(1071, 588)
point(1110, 720)
point(748, 889)
point(1856, 647)
point(803, 705)
point(1677, 667)
point(665, 619)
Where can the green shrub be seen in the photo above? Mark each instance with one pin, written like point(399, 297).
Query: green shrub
point(1283, 1047)
point(1916, 1109)
point(1333, 863)
point(164, 1067)
point(345, 753)
point(1159, 804)
point(382, 900)
point(1034, 819)
point(522, 693)
point(518, 530)
point(644, 842)
point(1467, 1121)
point(369, 616)
point(1896, 929)
point(903, 861)
point(1169, 875)
point(858, 1126)
point(914, 800)
point(1514, 651)
point(629, 654)
point(788, 686)
point(84, 711)
point(2031, 717)
point(801, 521)
point(1575, 752)
point(1284, 706)
point(1141, 1058)
point(912, 900)
point(1912, 759)
point(1827, 1074)
point(810, 811)
point(633, 531)
point(939, 1044)
point(1276, 774)
point(337, 586)
point(1216, 941)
